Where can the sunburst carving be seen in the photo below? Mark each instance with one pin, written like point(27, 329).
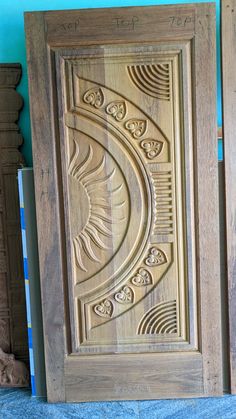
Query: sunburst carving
point(93, 226)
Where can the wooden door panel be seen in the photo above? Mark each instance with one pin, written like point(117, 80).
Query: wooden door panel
point(124, 170)
point(125, 310)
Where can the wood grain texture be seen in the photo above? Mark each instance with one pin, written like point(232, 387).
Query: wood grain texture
point(229, 126)
point(128, 215)
point(207, 207)
point(125, 377)
point(13, 326)
point(50, 260)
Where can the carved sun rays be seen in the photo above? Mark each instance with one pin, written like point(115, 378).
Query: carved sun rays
point(99, 220)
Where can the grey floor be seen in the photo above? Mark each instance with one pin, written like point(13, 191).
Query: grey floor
point(17, 404)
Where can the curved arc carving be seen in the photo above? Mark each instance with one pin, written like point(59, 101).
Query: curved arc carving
point(83, 290)
point(124, 98)
point(109, 295)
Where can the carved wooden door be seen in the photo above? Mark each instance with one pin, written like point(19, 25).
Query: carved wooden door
point(124, 141)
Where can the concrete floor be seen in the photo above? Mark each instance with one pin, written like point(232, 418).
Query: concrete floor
point(18, 404)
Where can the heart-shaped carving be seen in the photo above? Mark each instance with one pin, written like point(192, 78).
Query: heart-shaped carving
point(94, 97)
point(156, 257)
point(117, 109)
point(137, 127)
point(142, 278)
point(152, 148)
point(104, 309)
point(125, 295)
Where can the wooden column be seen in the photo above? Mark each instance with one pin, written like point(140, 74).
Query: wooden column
point(13, 327)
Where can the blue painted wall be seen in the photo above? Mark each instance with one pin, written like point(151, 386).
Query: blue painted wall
point(12, 43)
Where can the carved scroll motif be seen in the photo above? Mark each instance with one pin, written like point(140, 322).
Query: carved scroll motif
point(137, 127)
point(125, 295)
point(152, 148)
point(94, 97)
point(143, 277)
point(117, 109)
point(156, 257)
point(104, 309)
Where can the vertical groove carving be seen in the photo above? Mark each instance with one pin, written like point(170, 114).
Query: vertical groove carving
point(162, 184)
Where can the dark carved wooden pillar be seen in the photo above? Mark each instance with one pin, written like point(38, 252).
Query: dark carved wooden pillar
point(13, 326)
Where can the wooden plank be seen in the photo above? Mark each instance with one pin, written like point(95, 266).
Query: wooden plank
point(104, 25)
point(207, 210)
point(47, 207)
point(229, 128)
point(180, 375)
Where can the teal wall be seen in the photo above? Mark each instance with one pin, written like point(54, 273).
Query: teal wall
point(12, 43)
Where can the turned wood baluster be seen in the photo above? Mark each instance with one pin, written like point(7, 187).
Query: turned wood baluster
point(13, 327)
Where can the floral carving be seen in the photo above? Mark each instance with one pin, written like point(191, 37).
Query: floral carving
point(152, 148)
point(137, 127)
point(155, 257)
point(117, 109)
point(143, 277)
point(104, 309)
point(125, 295)
point(94, 97)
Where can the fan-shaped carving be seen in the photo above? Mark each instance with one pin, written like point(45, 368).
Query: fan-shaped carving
point(160, 319)
point(152, 79)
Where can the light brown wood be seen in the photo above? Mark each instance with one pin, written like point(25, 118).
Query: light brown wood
point(229, 126)
point(131, 239)
point(13, 327)
point(159, 372)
